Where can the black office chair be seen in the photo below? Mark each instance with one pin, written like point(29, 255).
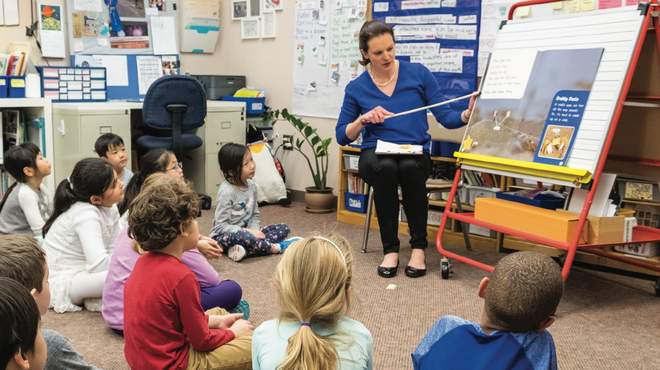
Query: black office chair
point(174, 108)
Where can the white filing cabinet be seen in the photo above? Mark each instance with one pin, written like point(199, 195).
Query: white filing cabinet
point(76, 126)
point(225, 123)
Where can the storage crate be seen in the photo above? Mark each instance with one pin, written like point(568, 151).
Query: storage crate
point(475, 192)
point(356, 202)
point(4, 86)
point(642, 250)
point(447, 149)
point(254, 105)
point(16, 86)
point(480, 230)
point(351, 161)
point(546, 201)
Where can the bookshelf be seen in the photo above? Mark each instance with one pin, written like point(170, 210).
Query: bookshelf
point(452, 235)
point(39, 108)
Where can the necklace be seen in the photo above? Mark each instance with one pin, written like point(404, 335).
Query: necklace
point(391, 78)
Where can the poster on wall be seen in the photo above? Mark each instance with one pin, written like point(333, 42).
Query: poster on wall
point(531, 104)
point(441, 35)
point(326, 54)
point(50, 31)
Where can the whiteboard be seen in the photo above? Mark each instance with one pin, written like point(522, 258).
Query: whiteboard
point(615, 30)
point(315, 92)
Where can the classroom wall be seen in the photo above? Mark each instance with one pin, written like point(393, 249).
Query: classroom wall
point(10, 34)
point(268, 64)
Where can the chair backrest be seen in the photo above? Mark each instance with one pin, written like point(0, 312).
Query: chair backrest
point(174, 89)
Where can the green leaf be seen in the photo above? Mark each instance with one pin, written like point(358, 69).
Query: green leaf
point(321, 153)
point(315, 140)
point(285, 113)
point(299, 143)
point(327, 142)
point(308, 131)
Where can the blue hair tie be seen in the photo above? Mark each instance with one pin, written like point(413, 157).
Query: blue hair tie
point(68, 179)
point(305, 324)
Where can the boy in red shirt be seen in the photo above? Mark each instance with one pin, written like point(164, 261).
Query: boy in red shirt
point(164, 324)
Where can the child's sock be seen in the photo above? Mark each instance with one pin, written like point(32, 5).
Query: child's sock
point(236, 252)
point(275, 248)
point(243, 307)
point(93, 304)
point(285, 244)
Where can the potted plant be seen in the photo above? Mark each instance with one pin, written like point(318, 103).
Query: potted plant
point(318, 198)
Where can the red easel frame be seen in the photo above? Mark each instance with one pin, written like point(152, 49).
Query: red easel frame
point(641, 234)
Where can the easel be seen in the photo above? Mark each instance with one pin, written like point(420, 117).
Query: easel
point(555, 174)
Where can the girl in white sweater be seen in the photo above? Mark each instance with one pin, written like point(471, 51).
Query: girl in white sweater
point(27, 204)
point(80, 235)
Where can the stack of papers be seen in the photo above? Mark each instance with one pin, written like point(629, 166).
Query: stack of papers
point(201, 14)
point(385, 147)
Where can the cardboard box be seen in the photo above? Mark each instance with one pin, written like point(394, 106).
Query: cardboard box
point(533, 220)
point(603, 229)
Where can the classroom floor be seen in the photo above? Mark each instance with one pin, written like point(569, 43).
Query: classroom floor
point(604, 321)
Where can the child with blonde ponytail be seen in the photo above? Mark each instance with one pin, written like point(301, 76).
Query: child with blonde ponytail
point(313, 282)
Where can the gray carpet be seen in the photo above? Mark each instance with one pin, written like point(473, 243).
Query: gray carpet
point(605, 321)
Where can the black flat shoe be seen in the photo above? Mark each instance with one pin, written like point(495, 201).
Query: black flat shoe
point(414, 273)
point(388, 272)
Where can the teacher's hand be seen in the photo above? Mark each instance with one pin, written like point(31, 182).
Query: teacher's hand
point(376, 115)
point(465, 116)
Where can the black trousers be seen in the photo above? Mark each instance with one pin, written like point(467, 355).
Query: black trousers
point(385, 173)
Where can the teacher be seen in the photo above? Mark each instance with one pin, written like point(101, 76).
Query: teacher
point(394, 86)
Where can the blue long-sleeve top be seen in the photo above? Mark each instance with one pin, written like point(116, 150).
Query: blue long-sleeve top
point(415, 88)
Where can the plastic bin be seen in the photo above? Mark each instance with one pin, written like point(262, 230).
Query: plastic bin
point(356, 202)
point(447, 149)
point(4, 86)
point(351, 161)
point(540, 200)
point(254, 105)
point(16, 85)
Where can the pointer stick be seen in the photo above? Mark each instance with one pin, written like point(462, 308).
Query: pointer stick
point(434, 105)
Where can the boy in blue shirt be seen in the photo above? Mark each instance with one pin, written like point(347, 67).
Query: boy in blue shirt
point(520, 300)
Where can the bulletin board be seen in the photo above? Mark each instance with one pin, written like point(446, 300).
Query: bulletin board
point(144, 22)
point(440, 34)
point(326, 54)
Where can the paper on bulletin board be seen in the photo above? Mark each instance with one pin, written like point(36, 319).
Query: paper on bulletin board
point(88, 5)
point(2, 12)
point(163, 35)
point(50, 31)
point(325, 57)
point(10, 10)
point(149, 69)
point(493, 12)
point(116, 67)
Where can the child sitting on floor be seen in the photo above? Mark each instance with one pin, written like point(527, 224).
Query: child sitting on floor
point(23, 260)
point(27, 203)
point(111, 148)
point(520, 300)
point(164, 324)
point(236, 224)
point(81, 234)
point(214, 293)
point(313, 282)
point(21, 344)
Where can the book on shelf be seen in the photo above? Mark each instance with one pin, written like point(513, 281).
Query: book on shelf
point(356, 184)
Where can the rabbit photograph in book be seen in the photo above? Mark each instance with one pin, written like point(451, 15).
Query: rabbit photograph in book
point(519, 89)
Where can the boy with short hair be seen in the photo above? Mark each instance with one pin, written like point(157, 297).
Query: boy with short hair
point(164, 324)
point(111, 148)
point(21, 344)
point(521, 298)
point(22, 260)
